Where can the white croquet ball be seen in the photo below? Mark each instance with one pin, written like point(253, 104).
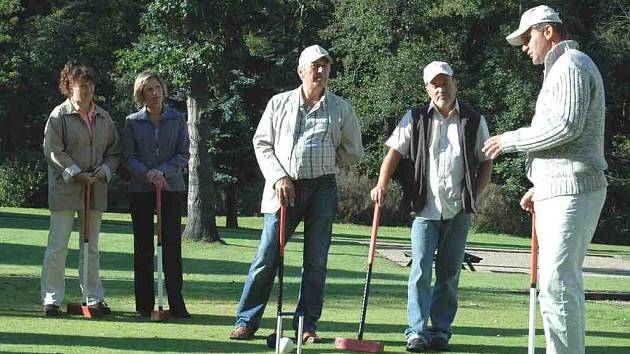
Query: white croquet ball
point(286, 345)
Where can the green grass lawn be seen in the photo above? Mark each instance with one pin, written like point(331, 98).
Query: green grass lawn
point(491, 318)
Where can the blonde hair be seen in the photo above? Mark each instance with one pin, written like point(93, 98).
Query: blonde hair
point(141, 80)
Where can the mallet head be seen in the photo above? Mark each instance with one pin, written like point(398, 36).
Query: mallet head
point(91, 312)
point(160, 315)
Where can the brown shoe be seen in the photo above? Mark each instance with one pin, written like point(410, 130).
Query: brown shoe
point(242, 333)
point(311, 337)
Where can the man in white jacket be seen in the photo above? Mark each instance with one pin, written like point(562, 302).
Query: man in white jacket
point(565, 162)
point(303, 137)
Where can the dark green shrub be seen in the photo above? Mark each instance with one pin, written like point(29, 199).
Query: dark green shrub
point(355, 205)
point(23, 182)
point(498, 212)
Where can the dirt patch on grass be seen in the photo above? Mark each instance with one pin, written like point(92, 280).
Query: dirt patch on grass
point(517, 261)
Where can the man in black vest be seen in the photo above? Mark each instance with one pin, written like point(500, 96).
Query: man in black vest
point(443, 141)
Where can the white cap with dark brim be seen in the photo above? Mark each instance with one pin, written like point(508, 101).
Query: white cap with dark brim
point(531, 17)
point(434, 69)
point(312, 54)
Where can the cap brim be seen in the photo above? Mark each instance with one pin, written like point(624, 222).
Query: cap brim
point(304, 62)
point(436, 74)
point(327, 57)
point(515, 37)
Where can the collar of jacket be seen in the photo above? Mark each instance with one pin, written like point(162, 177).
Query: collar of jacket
point(557, 51)
point(294, 107)
point(167, 113)
point(296, 97)
point(68, 108)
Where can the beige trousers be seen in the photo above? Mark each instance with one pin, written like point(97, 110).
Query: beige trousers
point(53, 270)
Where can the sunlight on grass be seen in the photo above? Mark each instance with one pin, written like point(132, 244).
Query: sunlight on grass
point(492, 319)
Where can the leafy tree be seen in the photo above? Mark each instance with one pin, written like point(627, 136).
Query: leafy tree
point(228, 58)
point(36, 39)
point(10, 11)
point(602, 29)
point(183, 41)
point(384, 45)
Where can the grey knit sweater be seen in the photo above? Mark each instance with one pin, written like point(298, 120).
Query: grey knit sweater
point(565, 142)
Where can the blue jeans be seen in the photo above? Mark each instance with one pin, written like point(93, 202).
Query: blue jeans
point(440, 305)
point(315, 204)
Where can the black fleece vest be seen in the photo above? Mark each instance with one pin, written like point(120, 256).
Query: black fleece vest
point(419, 153)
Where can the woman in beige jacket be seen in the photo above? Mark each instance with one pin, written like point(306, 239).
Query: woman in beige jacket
point(81, 148)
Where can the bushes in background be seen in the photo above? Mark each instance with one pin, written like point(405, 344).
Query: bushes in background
point(355, 206)
point(23, 182)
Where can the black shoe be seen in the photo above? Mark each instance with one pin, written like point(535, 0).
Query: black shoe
point(51, 310)
point(438, 344)
point(102, 307)
point(271, 340)
point(416, 345)
point(146, 314)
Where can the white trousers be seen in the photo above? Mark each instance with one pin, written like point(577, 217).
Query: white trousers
point(53, 270)
point(565, 227)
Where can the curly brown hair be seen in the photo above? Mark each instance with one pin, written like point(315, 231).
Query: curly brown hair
point(73, 72)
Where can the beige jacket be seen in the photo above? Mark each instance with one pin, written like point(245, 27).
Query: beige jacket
point(70, 149)
point(273, 140)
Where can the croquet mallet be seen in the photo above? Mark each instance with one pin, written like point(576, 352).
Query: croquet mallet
point(160, 314)
point(531, 343)
point(360, 345)
point(278, 334)
point(84, 309)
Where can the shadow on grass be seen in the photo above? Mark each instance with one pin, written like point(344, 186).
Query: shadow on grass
point(41, 222)
point(125, 317)
point(373, 329)
point(29, 255)
point(522, 332)
point(187, 345)
point(19, 289)
point(484, 348)
point(155, 345)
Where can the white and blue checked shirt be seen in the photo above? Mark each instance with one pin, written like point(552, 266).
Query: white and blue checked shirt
point(314, 152)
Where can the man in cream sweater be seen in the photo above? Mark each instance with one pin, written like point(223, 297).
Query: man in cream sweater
point(565, 162)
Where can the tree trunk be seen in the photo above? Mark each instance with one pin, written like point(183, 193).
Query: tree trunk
point(201, 224)
point(231, 206)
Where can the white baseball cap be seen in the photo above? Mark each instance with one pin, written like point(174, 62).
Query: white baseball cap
point(434, 69)
point(312, 54)
point(533, 16)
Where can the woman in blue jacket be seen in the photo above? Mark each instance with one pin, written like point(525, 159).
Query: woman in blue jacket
point(155, 150)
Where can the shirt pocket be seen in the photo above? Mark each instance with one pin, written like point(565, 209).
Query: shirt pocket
point(317, 129)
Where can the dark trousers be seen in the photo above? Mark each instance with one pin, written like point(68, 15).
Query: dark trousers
point(142, 211)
